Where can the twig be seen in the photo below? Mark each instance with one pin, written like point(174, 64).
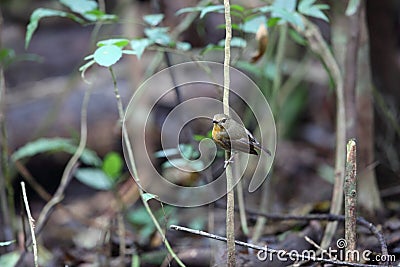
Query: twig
point(230, 197)
point(350, 200)
point(31, 225)
point(121, 234)
point(282, 253)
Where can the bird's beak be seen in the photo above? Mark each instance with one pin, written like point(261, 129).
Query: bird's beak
point(214, 121)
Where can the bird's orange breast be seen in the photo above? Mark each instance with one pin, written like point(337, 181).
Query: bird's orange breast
point(220, 138)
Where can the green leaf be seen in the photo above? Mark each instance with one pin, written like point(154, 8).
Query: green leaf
point(297, 37)
point(107, 55)
point(181, 162)
point(184, 46)
point(43, 13)
point(112, 165)
point(148, 196)
point(352, 7)
point(291, 17)
point(169, 152)
point(186, 151)
point(153, 19)
point(198, 137)
point(308, 8)
point(89, 157)
point(188, 9)
point(135, 260)
point(140, 45)
point(117, 42)
point(211, 47)
point(9, 259)
point(263, 9)
point(139, 217)
point(7, 55)
point(273, 22)
point(237, 8)
point(80, 6)
point(6, 243)
point(129, 52)
point(53, 145)
point(288, 5)
point(100, 16)
point(208, 9)
point(235, 42)
point(94, 178)
point(158, 35)
point(252, 25)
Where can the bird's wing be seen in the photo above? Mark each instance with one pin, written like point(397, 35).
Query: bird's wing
point(253, 141)
point(251, 137)
point(244, 145)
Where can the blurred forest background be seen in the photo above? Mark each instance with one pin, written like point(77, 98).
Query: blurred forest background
point(90, 214)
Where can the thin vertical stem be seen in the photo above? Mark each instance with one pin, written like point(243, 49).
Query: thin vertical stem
point(230, 207)
point(31, 225)
point(350, 200)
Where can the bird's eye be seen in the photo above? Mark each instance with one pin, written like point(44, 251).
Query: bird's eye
point(223, 120)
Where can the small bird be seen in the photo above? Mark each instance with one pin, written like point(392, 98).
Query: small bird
point(231, 135)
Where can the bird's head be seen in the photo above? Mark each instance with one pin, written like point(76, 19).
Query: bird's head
point(221, 120)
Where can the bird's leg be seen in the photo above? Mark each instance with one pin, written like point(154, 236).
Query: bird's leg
point(230, 160)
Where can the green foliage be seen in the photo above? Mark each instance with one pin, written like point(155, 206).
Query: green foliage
point(135, 261)
point(158, 35)
point(105, 177)
point(141, 220)
point(95, 178)
point(82, 11)
point(81, 7)
point(6, 243)
point(40, 13)
point(203, 10)
point(252, 24)
point(297, 37)
point(139, 45)
point(153, 19)
point(9, 259)
point(235, 42)
point(180, 157)
point(112, 165)
point(107, 55)
point(121, 42)
point(8, 57)
point(54, 145)
point(307, 7)
point(148, 196)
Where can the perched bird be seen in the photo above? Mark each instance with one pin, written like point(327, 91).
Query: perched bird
point(231, 135)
